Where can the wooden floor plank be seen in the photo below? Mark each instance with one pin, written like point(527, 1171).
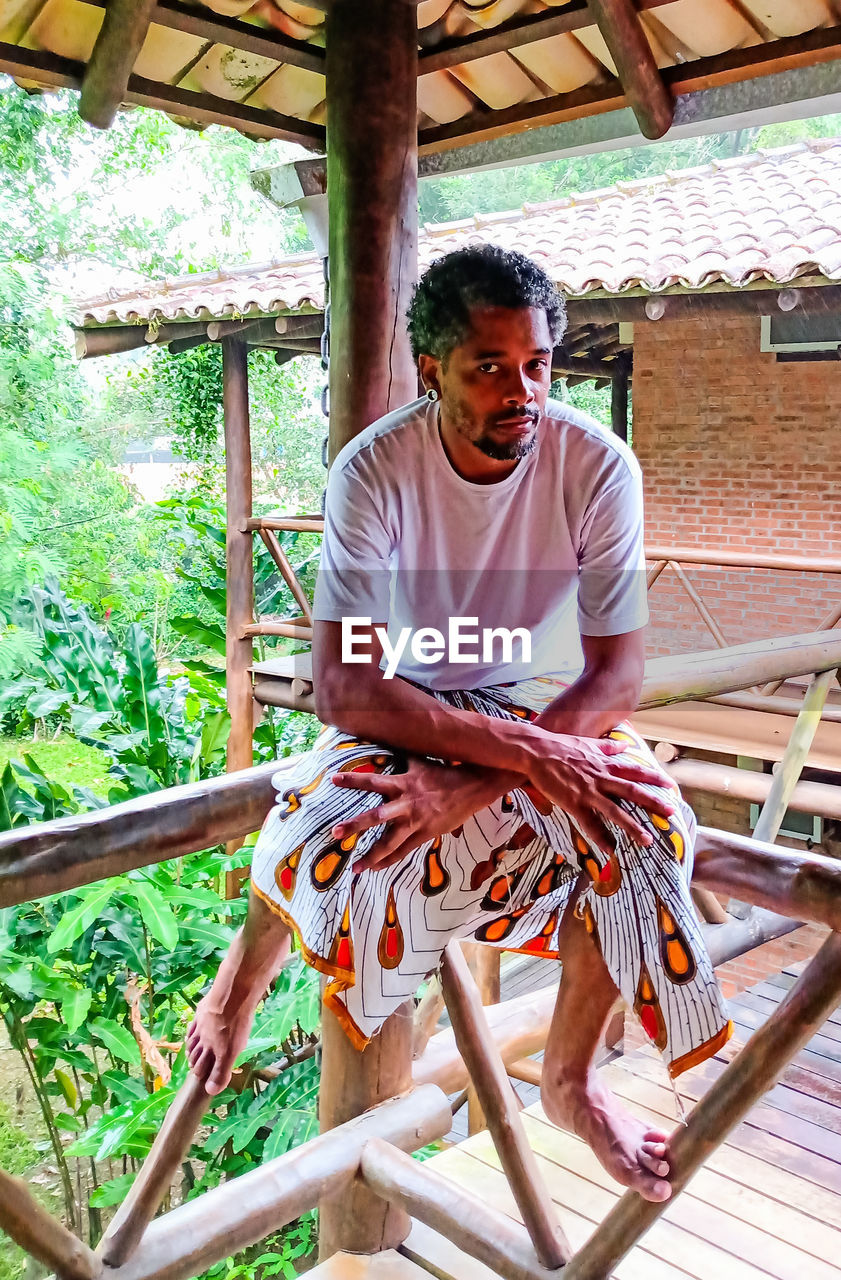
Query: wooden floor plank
point(758, 1134)
point(747, 1020)
point(778, 1238)
point(744, 1243)
point(745, 1166)
point(814, 1062)
point(798, 1075)
point(794, 1102)
point(667, 1253)
point(775, 987)
point(765, 1006)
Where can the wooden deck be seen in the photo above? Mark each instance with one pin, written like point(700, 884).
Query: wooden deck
point(767, 1204)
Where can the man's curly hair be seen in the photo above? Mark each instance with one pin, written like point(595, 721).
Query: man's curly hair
point(479, 276)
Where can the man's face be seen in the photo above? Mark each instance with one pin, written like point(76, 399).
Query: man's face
point(495, 384)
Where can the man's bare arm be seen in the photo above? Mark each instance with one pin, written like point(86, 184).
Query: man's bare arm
point(358, 699)
point(571, 770)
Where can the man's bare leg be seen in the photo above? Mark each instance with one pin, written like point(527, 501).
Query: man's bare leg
point(572, 1095)
point(220, 1029)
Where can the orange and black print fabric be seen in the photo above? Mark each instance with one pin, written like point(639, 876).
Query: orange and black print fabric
point(504, 878)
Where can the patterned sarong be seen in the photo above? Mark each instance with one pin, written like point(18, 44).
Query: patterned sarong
point(503, 878)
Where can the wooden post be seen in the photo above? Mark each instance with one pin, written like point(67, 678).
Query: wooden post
point(487, 1073)
point(753, 1071)
point(483, 963)
point(351, 1082)
point(239, 577)
point(619, 386)
point(372, 195)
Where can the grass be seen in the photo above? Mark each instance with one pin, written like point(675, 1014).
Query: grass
point(66, 760)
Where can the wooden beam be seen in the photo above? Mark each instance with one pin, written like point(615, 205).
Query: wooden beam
point(483, 963)
point(821, 798)
point(692, 676)
point(750, 1074)
point(583, 366)
point(723, 558)
point(38, 1232)
point(157, 1173)
point(208, 108)
point(802, 886)
point(239, 568)
point(90, 343)
point(220, 29)
point(456, 1212)
point(797, 749)
point(778, 706)
point(647, 95)
point(237, 1214)
point(818, 300)
point(238, 35)
point(479, 126)
point(786, 54)
point(372, 178)
point(124, 28)
point(488, 1078)
point(54, 857)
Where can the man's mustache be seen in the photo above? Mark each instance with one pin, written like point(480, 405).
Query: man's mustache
point(532, 414)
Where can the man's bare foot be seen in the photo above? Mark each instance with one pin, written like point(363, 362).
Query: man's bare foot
point(217, 1035)
point(632, 1152)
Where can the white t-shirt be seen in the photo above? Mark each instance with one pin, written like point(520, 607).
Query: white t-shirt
point(556, 547)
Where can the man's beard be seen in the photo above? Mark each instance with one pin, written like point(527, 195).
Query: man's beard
point(510, 451)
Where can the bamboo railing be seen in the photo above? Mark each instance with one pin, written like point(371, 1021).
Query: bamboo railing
point(783, 885)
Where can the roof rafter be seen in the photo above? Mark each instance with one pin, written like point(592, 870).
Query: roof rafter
point(647, 95)
point(512, 35)
point(207, 108)
point(220, 29)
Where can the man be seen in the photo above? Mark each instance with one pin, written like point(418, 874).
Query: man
point(494, 797)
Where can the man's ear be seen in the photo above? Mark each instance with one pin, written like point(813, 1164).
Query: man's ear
point(429, 369)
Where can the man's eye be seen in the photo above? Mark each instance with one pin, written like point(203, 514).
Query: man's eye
point(539, 364)
point(488, 367)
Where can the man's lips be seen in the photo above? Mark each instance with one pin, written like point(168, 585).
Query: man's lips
point(517, 424)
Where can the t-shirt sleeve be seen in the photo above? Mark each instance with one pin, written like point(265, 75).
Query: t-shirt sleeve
point(612, 594)
point(353, 576)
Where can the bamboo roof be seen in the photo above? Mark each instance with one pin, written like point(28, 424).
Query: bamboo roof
point(486, 67)
point(769, 216)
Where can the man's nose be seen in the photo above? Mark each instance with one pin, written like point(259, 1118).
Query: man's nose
point(520, 389)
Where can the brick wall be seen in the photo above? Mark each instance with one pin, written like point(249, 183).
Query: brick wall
point(740, 452)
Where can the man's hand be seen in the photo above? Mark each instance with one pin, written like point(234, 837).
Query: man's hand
point(582, 777)
point(424, 802)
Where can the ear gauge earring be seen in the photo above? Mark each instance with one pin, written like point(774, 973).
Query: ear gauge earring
point(432, 394)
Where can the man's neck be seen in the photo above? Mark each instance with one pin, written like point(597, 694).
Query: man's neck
point(469, 462)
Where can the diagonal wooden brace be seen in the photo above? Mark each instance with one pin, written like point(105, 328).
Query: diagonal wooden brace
point(751, 1073)
point(493, 1088)
point(155, 1178)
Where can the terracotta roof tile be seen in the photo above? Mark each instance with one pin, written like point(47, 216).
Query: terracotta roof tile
point(767, 216)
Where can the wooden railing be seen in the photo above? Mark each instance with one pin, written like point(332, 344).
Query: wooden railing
point(784, 886)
